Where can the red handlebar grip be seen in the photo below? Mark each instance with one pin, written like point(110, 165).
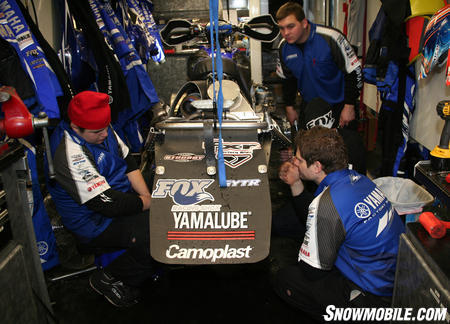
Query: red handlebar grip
point(18, 121)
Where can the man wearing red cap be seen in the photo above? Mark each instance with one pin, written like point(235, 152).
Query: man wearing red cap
point(101, 196)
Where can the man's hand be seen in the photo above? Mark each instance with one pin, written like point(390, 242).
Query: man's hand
point(289, 173)
point(347, 115)
point(146, 201)
point(291, 114)
point(140, 187)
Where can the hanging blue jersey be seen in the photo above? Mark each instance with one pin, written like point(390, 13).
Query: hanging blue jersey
point(137, 19)
point(45, 239)
point(147, 8)
point(142, 92)
point(408, 110)
point(351, 225)
point(14, 29)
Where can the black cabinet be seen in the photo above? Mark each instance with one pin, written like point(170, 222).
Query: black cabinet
point(423, 271)
point(23, 291)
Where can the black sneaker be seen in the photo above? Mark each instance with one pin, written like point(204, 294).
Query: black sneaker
point(115, 291)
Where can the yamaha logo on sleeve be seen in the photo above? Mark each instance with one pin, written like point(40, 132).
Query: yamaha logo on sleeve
point(362, 210)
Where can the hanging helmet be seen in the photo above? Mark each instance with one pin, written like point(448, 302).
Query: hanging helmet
point(436, 41)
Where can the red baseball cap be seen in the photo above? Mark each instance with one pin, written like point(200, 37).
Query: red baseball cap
point(90, 110)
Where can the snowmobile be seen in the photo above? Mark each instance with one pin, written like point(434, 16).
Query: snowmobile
point(210, 196)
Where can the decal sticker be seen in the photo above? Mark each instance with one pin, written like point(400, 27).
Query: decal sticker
point(197, 208)
point(87, 175)
point(33, 52)
point(77, 163)
point(325, 120)
point(211, 220)
point(77, 159)
point(243, 183)
point(183, 191)
point(348, 50)
point(24, 40)
point(362, 210)
point(304, 252)
point(175, 252)
point(42, 247)
point(211, 236)
point(375, 198)
point(96, 185)
point(184, 157)
point(236, 153)
point(374, 201)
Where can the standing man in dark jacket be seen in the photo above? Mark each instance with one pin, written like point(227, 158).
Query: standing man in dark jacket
point(101, 196)
point(319, 113)
point(319, 62)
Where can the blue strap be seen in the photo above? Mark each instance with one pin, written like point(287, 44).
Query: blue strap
point(215, 50)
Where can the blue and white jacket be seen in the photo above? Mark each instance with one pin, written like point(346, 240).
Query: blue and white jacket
point(84, 171)
point(351, 225)
point(325, 66)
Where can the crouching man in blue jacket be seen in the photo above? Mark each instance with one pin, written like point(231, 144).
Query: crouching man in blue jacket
point(101, 196)
point(349, 251)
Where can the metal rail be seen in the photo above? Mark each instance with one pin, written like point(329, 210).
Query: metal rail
point(168, 124)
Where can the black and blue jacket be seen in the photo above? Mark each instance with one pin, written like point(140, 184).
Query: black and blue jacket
point(85, 171)
point(353, 227)
point(325, 66)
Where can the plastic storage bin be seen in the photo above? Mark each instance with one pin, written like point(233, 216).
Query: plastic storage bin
point(406, 196)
